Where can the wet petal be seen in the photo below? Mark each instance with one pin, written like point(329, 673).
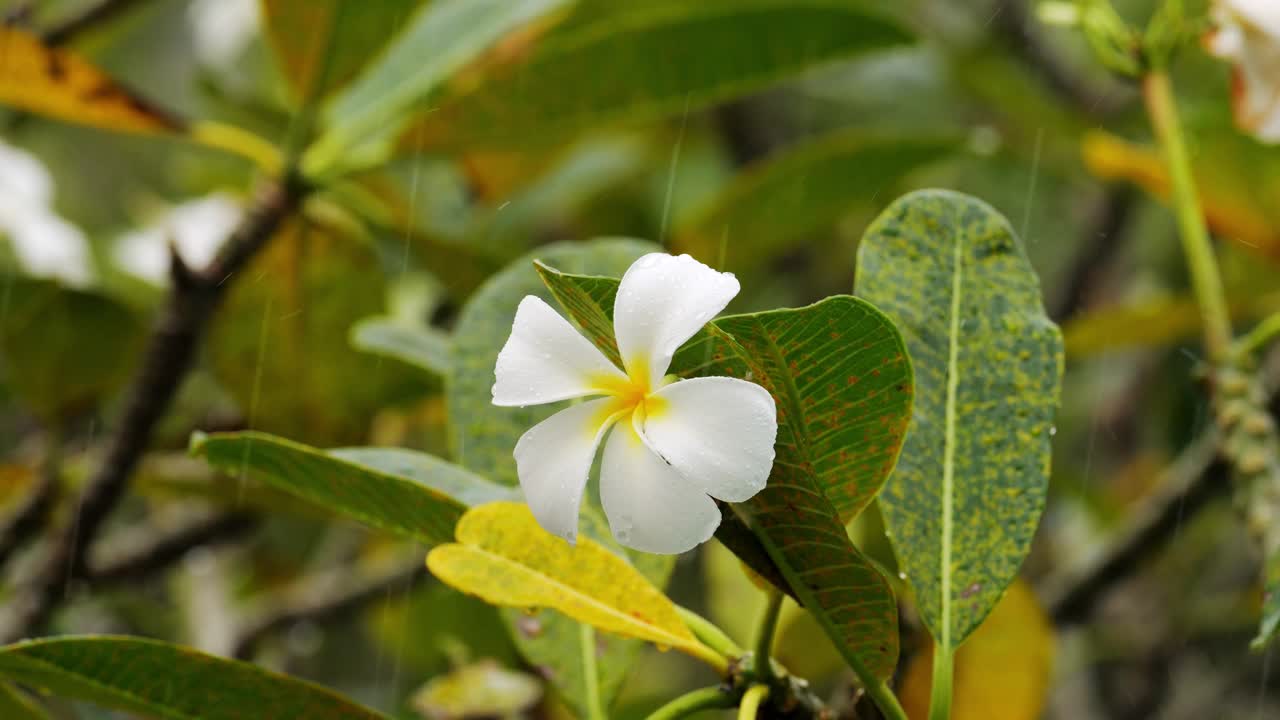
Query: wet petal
point(553, 459)
point(546, 360)
point(662, 301)
point(717, 432)
point(649, 506)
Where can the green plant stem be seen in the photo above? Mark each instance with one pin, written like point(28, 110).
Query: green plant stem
point(763, 666)
point(692, 702)
point(940, 696)
point(595, 708)
point(710, 635)
point(1206, 281)
point(1259, 337)
point(751, 700)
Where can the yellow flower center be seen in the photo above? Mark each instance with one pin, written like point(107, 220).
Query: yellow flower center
point(632, 394)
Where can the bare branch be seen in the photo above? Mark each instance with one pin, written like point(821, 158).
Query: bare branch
point(1195, 478)
point(141, 553)
point(323, 596)
point(30, 516)
point(193, 298)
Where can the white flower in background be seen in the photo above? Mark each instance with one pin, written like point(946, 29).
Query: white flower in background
point(196, 228)
point(1248, 34)
point(222, 29)
point(44, 244)
point(675, 443)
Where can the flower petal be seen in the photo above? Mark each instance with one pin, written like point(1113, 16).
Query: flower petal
point(717, 432)
point(662, 301)
point(649, 506)
point(546, 360)
point(553, 459)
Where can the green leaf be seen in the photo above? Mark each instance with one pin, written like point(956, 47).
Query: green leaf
point(167, 681)
point(676, 56)
point(322, 44)
point(838, 437)
point(800, 191)
point(483, 436)
point(64, 350)
point(274, 347)
point(971, 484)
point(839, 374)
point(421, 346)
point(442, 39)
point(401, 491)
point(15, 705)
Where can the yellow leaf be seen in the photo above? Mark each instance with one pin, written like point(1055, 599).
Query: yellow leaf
point(61, 84)
point(504, 557)
point(1231, 213)
point(1002, 671)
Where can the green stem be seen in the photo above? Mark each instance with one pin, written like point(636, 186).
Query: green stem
point(1259, 337)
point(1206, 281)
point(940, 697)
point(751, 700)
point(710, 635)
point(591, 677)
point(692, 702)
point(764, 638)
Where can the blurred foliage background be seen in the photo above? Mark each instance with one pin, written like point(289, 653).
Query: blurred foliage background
point(325, 337)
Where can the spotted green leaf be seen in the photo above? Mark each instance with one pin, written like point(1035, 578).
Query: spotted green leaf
point(676, 56)
point(802, 190)
point(483, 436)
point(964, 504)
point(401, 491)
point(168, 682)
point(839, 374)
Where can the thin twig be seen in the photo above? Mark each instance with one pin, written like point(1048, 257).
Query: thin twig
point(193, 298)
point(138, 554)
point(1195, 478)
point(1103, 240)
point(323, 596)
point(26, 520)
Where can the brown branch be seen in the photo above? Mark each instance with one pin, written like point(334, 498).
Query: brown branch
point(323, 596)
point(1196, 477)
point(193, 298)
point(1103, 239)
point(30, 516)
point(141, 553)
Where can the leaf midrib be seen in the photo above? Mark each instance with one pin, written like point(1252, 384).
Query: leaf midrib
point(668, 638)
point(949, 443)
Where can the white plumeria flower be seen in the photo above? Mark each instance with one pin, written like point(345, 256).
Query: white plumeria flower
point(675, 444)
point(1248, 34)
